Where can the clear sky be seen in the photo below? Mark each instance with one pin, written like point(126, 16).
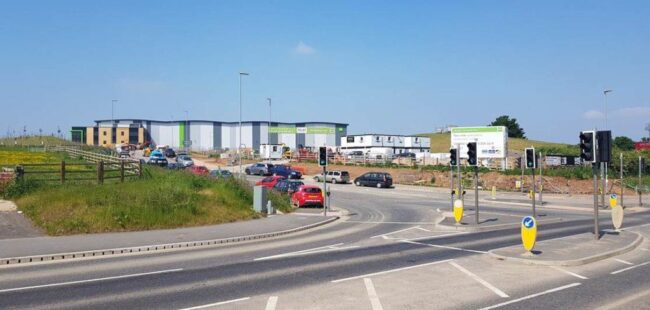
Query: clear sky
point(381, 66)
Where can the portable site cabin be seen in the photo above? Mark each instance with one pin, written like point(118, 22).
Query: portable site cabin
point(271, 151)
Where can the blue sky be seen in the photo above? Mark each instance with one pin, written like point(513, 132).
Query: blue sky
point(381, 66)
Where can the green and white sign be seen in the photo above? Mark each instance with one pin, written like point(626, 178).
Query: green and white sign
point(303, 130)
point(491, 141)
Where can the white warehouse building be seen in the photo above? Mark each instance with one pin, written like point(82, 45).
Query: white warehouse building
point(379, 144)
point(204, 135)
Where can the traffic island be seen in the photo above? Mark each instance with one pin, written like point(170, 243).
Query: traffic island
point(573, 250)
point(487, 221)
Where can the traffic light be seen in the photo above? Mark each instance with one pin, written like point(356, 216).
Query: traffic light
point(588, 146)
point(604, 141)
point(322, 156)
point(530, 158)
point(472, 159)
point(453, 157)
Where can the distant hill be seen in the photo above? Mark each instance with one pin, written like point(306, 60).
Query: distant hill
point(440, 143)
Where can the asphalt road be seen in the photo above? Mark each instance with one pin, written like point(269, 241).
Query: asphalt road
point(363, 243)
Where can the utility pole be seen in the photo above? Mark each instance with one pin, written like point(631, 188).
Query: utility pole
point(541, 179)
point(240, 137)
point(594, 170)
point(113, 111)
point(622, 181)
point(268, 139)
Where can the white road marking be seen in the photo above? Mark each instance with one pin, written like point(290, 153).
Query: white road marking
point(569, 273)
point(89, 280)
point(629, 268)
point(644, 249)
point(478, 279)
point(394, 232)
point(403, 223)
point(391, 270)
point(436, 236)
point(309, 251)
point(443, 247)
point(273, 301)
point(372, 294)
point(423, 229)
point(217, 304)
point(623, 261)
point(557, 289)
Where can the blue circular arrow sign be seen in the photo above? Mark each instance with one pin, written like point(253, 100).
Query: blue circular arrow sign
point(528, 222)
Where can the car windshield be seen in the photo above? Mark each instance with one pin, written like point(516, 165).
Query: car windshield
point(345, 173)
point(312, 190)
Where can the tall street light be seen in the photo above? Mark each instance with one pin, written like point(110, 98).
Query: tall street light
point(606, 180)
point(240, 137)
point(112, 111)
point(186, 130)
point(605, 92)
point(268, 139)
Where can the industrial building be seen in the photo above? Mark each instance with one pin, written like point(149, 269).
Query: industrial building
point(204, 135)
point(379, 144)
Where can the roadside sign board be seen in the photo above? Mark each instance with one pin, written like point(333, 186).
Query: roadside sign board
point(528, 232)
point(458, 210)
point(617, 217)
point(613, 200)
point(491, 141)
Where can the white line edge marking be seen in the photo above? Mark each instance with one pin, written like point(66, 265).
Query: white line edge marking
point(443, 247)
point(437, 236)
point(569, 273)
point(217, 303)
point(629, 268)
point(327, 249)
point(623, 262)
point(644, 249)
point(390, 270)
point(372, 295)
point(478, 279)
point(302, 251)
point(272, 303)
point(89, 280)
point(394, 232)
point(553, 290)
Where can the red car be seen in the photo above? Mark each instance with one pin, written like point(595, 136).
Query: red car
point(199, 170)
point(307, 195)
point(270, 181)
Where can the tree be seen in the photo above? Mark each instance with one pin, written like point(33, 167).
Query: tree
point(514, 130)
point(624, 143)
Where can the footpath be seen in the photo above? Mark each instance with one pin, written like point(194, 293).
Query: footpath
point(37, 249)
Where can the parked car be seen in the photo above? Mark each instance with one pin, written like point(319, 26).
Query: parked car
point(259, 169)
point(184, 161)
point(287, 186)
point(307, 195)
point(378, 179)
point(354, 154)
point(335, 176)
point(169, 153)
point(173, 166)
point(270, 181)
point(286, 172)
point(199, 170)
point(124, 154)
point(162, 162)
point(405, 155)
point(221, 174)
point(156, 154)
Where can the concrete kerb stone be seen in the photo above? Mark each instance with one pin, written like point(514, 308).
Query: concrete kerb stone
point(152, 248)
point(572, 262)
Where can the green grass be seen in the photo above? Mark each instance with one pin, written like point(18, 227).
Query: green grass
point(33, 141)
point(440, 143)
point(161, 199)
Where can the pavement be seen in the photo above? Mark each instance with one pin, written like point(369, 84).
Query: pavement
point(572, 250)
point(13, 224)
point(106, 243)
point(488, 220)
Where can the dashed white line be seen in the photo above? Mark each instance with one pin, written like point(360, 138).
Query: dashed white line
point(569, 273)
point(391, 270)
point(444, 247)
point(217, 304)
point(89, 280)
point(557, 289)
point(478, 279)
point(372, 295)
point(394, 232)
point(308, 251)
point(437, 236)
point(271, 303)
point(629, 268)
point(623, 261)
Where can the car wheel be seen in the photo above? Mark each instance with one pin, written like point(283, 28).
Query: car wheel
point(333, 181)
point(248, 172)
point(378, 185)
point(358, 183)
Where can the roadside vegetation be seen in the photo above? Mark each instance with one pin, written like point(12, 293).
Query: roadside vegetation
point(161, 199)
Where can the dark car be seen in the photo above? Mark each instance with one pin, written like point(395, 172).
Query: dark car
point(169, 153)
point(405, 155)
point(173, 166)
point(221, 174)
point(287, 186)
point(376, 179)
point(286, 171)
point(162, 162)
point(259, 169)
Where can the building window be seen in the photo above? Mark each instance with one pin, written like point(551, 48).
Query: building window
point(389, 138)
point(377, 139)
point(122, 133)
point(361, 139)
point(104, 133)
point(104, 142)
point(351, 139)
point(417, 140)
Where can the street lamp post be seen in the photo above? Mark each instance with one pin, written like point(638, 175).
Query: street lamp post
point(605, 181)
point(240, 137)
point(268, 139)
point(112, 111)
point(186, 130)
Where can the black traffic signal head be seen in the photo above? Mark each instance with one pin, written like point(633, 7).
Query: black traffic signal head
point(472, 159)
point(453, 157)
point(604, 142)
point(530, 158)
point(588, 146)
point(322, 156)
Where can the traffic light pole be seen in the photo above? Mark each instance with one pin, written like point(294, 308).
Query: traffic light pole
point(476, 192)
point(451, 185)
point(595, 173)
point(460, 178)
point(541, 179)
point(622, 182)
point(603, 166)
point(325, 190)
point(533, 194)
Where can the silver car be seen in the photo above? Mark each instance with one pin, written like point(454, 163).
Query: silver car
point(334, 177)
point(184, 161)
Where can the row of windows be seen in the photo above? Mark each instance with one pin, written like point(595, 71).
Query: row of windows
point(378, 139)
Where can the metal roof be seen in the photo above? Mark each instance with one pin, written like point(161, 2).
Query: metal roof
point(212, 121)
